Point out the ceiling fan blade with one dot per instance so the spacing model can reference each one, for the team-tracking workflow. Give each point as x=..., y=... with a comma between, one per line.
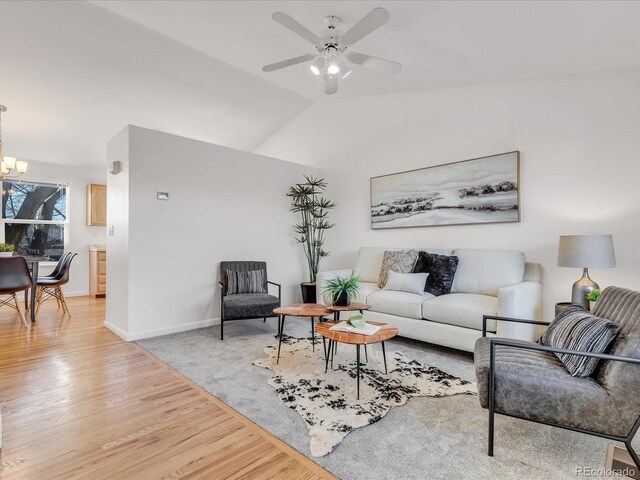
x=374, y=63
x=296, y=27
x=287, y=63
x=331, y=85
x=372, y=21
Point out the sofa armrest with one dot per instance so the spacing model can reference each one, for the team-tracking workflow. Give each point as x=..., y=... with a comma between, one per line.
x=520, y=300
x=322, y=277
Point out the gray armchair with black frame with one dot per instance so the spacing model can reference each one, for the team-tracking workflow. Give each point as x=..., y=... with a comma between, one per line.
x=527, y=380
x=236, y=304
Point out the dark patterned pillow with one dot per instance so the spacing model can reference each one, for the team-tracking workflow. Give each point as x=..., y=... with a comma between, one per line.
x=400, y=261
x=441, y=270
x=251, y=281
x=576, y=329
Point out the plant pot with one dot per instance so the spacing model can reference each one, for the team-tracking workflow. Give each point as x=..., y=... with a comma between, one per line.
x=342, y=300
x=6, y=254
x=308, y=292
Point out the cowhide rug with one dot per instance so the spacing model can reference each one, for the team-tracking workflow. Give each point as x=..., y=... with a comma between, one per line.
x=327, y=401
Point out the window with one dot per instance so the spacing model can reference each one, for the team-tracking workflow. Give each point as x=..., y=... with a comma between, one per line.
x=34, y=217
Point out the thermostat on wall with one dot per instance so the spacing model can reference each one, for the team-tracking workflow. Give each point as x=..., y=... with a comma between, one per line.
x=163, y=196
x=114, y=168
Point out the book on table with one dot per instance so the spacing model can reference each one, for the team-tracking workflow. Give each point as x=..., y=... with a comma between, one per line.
x=368, y=329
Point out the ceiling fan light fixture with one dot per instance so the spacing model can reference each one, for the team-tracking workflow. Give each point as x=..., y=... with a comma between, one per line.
x=333, y=68
x=345, y=71
x=317, y=66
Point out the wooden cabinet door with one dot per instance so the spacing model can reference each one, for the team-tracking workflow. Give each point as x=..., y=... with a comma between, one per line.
x=96, y=205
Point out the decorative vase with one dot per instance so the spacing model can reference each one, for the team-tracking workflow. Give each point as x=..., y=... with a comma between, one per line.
x=308, y=292
x=6, y=254
x=341, y=300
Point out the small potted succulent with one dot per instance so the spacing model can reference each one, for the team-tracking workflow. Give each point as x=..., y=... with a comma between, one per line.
x=6, y=250
x=594, y=295
x=342, y=290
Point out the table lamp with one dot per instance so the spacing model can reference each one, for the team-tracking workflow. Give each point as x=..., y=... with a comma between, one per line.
x=585, y=251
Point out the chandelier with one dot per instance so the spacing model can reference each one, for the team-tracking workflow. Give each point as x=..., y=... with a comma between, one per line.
x=9, y=166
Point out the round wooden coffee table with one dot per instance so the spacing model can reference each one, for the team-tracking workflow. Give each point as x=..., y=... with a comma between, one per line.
x=353, y=307
x=312, y=310
x=385, y=333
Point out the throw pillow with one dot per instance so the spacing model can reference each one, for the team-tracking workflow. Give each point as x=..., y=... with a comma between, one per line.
x=400, y=261
x=406, y=282
x=441, y=270
x=576, y=329
x=251, y=281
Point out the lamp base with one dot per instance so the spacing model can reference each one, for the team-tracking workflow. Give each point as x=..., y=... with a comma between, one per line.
x=582, y=288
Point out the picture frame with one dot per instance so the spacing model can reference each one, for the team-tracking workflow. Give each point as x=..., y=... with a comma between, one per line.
x=480, y=190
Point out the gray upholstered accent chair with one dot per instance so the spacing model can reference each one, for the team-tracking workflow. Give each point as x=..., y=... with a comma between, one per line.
x=244, y=306
x=527, y=380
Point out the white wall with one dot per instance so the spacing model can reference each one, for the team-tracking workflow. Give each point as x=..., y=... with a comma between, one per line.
x=79, y=235
x=580, y=164
x=118, y=244
x=224, y=205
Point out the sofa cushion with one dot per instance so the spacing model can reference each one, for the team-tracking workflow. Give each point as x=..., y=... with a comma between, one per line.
x=441, y=270
x=365, y=289
x=401, y=261
x=369, y=261
x=576, y=329
x=368, y=264
x=249, y=305
x=250, y=281
x=402, y=304
x=485, y=271
x=462, y=310
x=406, y=282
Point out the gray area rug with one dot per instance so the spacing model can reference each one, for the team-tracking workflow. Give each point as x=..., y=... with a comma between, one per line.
x=328, y=402
x=428, y=438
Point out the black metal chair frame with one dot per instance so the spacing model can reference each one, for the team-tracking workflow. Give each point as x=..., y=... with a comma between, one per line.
x=223, y=294
x=492, y=384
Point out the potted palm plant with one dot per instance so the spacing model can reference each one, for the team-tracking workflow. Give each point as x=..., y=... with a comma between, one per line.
x=6, y=250
x=342, y=290
x=308, y=200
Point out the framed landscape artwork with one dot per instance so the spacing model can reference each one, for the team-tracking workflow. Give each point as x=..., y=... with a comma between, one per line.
x=480, y=190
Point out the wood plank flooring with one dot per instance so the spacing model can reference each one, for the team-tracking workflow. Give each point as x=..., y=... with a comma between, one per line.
x=79, y=402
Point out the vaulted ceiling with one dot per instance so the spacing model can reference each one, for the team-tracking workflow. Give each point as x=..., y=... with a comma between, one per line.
x=75, y=73
x=440, y=44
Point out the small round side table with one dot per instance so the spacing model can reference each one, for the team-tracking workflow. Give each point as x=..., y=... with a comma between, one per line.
x=311, y=310
x=353, y=307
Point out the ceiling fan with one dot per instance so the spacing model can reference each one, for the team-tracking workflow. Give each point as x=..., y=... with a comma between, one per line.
x=331, y=61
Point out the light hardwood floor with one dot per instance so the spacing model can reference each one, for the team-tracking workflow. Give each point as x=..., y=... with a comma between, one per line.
x=79, y=402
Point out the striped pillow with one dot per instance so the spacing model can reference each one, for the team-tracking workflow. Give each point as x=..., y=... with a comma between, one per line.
x=576, y=329
x=251, y=281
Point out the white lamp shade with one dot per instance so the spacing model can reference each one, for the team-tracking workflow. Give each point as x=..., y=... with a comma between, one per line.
x=3, y=168
x=586, y=251
x=10, y=162
x=21, y=166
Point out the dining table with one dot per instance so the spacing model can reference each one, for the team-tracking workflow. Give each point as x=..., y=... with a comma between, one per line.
x=30, y=295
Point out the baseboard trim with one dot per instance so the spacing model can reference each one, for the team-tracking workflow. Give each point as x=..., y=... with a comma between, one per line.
x=76, y=294
x=115, y=329
x=133, y=336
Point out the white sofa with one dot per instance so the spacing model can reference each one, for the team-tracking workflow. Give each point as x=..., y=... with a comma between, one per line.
x=497, y=282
